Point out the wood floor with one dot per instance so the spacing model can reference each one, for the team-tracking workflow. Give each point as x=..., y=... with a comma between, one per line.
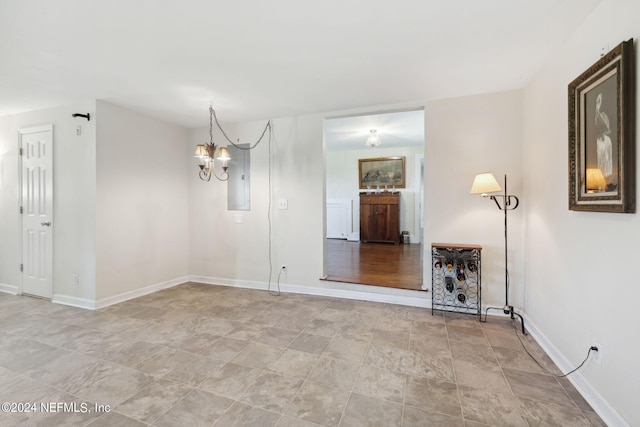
x=377, y=264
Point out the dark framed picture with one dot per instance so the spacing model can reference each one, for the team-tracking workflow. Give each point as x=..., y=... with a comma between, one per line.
x=602, y=156
x=385, y=172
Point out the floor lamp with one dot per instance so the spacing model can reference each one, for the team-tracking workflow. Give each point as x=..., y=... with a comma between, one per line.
x=483, y=184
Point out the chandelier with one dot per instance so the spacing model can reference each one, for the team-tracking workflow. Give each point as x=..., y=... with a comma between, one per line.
x=209, y=152
x=374, y=139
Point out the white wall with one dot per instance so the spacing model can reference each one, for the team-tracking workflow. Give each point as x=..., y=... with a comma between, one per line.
x=342, y=180
x=128, y=210
x=580, y=275
x=73, y=203
x=221, y=248
x=142, y=202
x=225, y=252
x=466, y=136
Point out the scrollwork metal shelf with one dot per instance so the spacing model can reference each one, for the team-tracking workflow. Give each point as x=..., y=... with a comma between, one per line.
x=456, y=278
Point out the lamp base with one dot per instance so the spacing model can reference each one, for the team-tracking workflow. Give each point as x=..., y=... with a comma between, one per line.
x=507, y=309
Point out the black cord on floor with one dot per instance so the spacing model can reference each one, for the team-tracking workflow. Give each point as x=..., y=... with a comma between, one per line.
x=515, y=329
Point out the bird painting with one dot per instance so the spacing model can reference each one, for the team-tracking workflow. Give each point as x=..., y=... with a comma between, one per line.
x=603, y=141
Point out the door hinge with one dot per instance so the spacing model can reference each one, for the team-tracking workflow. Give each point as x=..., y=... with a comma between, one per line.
x=21, y=209
x=21, y=151
x=21, y=267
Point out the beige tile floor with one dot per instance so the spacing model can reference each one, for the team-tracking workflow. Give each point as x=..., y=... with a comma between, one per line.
x=201, y=355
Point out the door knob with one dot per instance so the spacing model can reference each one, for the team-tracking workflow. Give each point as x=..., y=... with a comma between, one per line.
x=48, y=224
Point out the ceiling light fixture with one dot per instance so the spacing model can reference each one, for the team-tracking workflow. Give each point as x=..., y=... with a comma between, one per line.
x=374, y=139
x=207, y=152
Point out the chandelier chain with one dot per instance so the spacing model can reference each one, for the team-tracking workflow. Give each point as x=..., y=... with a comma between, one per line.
x=210, y=124
x=213, y=116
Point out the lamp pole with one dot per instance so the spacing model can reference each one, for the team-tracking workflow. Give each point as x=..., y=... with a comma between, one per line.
x=509, y=203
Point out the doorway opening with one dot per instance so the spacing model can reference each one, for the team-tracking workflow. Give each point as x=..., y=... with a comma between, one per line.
x=348, y=258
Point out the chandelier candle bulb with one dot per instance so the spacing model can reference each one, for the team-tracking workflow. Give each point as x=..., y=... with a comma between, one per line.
x=223, y=154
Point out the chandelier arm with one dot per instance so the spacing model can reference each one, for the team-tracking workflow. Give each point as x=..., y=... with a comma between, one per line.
x=225, y=175
x=204, y=175
x=207, y=176
x=215, y=117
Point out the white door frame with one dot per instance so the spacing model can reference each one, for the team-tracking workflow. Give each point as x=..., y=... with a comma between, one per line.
x=419, y=199
x=48, y=293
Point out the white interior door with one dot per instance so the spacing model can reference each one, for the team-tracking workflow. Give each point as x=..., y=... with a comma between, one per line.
x=37, y=208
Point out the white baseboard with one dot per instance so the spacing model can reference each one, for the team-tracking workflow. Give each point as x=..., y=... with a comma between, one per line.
x=230, y=282
x=105, y=302
x=8, y=289
x=74, y=301
x=331, y=289
x=608, y=414
x=353, y=237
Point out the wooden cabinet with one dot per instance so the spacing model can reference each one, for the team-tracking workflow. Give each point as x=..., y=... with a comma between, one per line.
x=380, y=217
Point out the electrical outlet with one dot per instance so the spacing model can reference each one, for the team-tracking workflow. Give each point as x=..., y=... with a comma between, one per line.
x=76, y=279
x=283, y=204
x=283, y=269
x=597, y=355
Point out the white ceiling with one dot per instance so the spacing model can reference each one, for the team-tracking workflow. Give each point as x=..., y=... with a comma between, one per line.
x=258, y=59
x=397, y=129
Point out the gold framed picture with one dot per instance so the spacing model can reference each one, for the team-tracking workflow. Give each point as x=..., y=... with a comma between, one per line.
x=602, y=149
x=383, y=172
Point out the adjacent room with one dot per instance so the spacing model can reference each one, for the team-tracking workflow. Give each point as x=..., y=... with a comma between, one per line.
x=371, y=244
x=335, y=214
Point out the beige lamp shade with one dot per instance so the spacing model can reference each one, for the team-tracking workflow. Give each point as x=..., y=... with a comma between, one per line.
x=595, y=180
x=201, y=151
x=223, y=154
x=485, y=183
